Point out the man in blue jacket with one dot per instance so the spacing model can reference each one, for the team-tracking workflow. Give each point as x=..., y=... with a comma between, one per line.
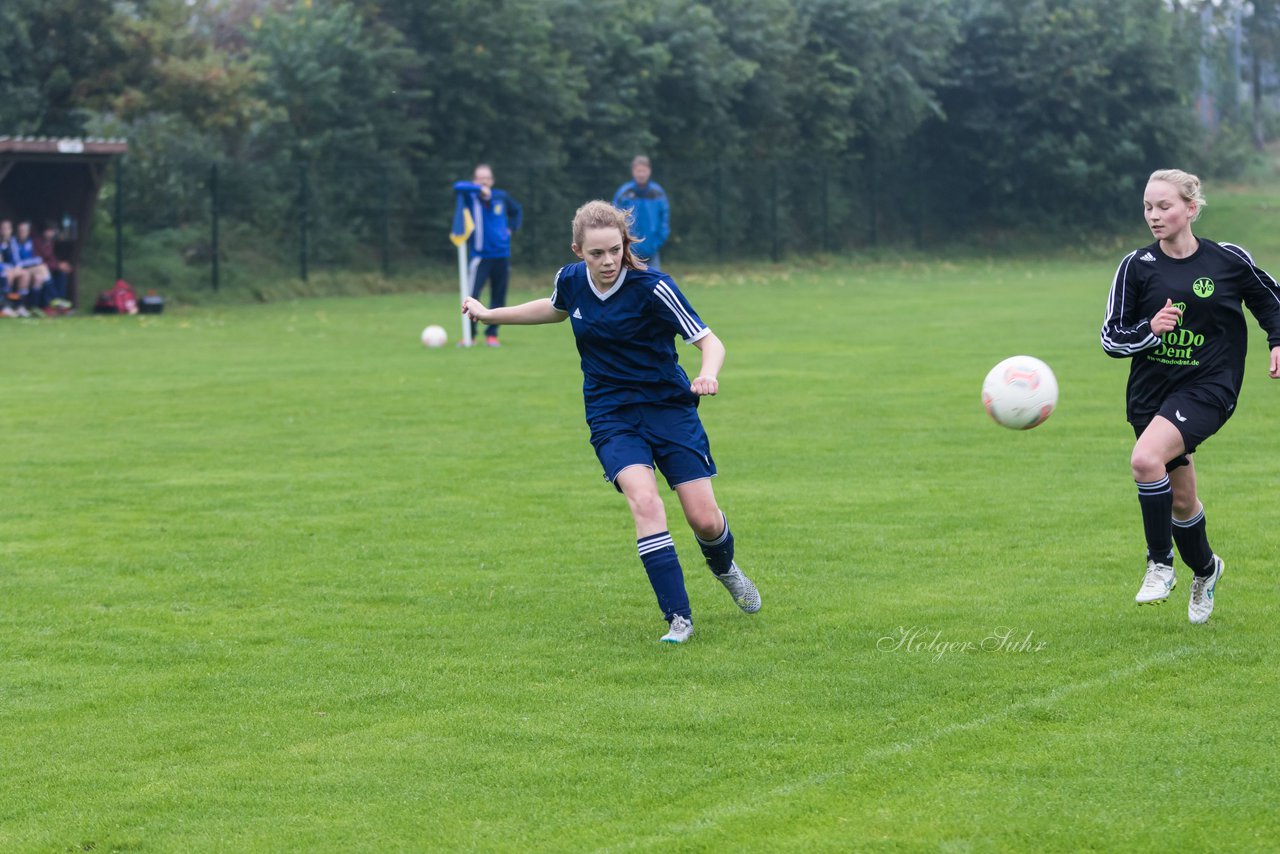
x=495, y=215
x=647, y=202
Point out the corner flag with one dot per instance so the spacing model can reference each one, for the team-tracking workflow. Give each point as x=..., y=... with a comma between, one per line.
x=463, y=226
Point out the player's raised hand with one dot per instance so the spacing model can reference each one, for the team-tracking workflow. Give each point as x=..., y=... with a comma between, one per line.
x=1166, y=319
x=1275, y=363
x=705, y=385
x=474, y=309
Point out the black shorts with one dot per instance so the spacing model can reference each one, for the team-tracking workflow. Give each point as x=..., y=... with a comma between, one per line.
x=1196, y=413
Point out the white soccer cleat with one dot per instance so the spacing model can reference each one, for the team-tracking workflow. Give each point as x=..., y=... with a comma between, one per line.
x=1201, y=604
x=681, y=630
x=744, y=593
x=1156, y=584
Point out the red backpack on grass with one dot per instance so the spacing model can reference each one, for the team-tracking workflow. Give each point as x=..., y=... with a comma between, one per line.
x=121, y=299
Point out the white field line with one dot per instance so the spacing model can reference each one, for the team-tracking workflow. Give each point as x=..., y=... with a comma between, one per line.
x=714, y=816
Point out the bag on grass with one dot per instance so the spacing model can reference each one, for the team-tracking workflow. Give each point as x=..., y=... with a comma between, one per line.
x=151, y=303
x=121, y=299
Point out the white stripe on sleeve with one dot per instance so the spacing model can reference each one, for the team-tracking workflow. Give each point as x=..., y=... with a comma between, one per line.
x=687, y=321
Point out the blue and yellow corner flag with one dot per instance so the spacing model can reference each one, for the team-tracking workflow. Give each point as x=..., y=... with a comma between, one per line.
x=463, y=224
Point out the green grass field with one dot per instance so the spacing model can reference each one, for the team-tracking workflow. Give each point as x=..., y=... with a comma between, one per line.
x=276, y=578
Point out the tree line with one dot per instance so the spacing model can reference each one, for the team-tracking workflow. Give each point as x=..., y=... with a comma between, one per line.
x=978, y=113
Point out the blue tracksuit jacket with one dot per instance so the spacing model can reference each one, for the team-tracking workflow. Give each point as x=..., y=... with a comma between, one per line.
x=652, y=214
x=494, y=219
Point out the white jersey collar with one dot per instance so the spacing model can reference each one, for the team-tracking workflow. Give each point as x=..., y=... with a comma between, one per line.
x=622, y=275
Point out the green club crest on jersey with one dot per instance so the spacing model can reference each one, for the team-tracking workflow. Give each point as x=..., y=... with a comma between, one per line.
x=1202, y=288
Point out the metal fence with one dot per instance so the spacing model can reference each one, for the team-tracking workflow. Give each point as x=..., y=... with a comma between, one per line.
x=237, y=219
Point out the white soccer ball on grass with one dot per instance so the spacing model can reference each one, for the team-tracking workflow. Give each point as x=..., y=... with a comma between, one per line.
x=434, y=336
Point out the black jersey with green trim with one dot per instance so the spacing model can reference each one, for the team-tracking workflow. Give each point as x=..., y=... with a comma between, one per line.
x=1207, y=348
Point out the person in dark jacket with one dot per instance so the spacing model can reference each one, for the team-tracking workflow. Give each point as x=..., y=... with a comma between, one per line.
x=59, y=270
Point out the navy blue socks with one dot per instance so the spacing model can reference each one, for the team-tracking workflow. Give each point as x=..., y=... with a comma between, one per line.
x=658, y=553
x=719, y=552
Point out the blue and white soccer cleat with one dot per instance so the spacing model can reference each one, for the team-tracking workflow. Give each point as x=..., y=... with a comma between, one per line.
x=1201, y=604
x=744, y=593
x=681, y=630
x=1156, y=584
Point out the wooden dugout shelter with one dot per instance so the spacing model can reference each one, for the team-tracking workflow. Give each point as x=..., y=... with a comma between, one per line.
x=56, y=181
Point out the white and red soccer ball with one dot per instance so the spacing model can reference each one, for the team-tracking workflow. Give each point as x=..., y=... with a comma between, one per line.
x=434, y=336
x=1020, y=392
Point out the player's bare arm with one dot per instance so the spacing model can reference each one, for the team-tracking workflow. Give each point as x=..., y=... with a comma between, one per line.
x=1275, y=363
x=712, y=360
x=526, y=314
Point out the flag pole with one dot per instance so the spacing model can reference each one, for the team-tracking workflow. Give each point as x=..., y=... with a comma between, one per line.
x=463, y=227
x=464, y=291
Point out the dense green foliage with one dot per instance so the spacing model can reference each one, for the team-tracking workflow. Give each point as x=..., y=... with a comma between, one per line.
x=757, y=112
x=1088, y=102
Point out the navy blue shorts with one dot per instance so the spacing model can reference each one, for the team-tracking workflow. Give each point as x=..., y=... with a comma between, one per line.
x=669, y=435
x=1196, y=413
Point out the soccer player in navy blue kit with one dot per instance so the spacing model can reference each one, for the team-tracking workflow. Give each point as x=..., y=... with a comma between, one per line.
x=495, y=215
x=1175, y=310
x=640, y=405
x=25, y=273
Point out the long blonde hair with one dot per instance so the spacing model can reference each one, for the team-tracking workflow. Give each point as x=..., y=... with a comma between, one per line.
x=601, y=214
x=1187, y=185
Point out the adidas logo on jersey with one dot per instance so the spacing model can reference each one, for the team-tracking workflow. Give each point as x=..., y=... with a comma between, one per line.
x=577, y=314
x=1147, y=256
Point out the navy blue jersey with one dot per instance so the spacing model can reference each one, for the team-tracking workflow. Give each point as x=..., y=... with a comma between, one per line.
x=626, y=337
x=1207, y=349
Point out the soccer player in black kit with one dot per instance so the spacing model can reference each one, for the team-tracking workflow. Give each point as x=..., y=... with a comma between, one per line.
x=1175, y=311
